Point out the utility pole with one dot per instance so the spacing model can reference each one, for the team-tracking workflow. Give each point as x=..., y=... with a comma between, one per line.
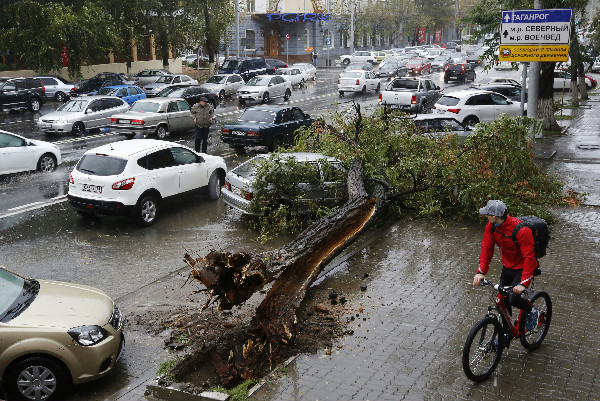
x=351, y=26
x=237, y=28
x=533, y=92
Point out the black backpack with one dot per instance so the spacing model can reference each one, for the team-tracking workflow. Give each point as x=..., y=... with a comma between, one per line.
x=540, y=231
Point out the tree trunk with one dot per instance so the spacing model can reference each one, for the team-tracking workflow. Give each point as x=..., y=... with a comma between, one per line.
x=582, y=84
x=574, y=91
x=574, y=54
x=546, y=97
x=210, y=45
x=233, y=277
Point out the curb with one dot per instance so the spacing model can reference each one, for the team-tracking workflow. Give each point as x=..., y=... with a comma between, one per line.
x=173, y=393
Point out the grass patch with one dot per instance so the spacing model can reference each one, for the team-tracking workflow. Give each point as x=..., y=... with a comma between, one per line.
x=165, y=369
x=564, y=117
x=239, y=392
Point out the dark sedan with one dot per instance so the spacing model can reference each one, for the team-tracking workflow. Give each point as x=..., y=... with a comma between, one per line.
x=91, y=86
x=271, y=126
x=191, y=94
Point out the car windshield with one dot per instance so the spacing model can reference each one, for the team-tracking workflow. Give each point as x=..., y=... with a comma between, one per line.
x=165, y=79
x=100, y=164
x=92, y=84
x=107, y=91
x=389, y=66
x=259, y=81
x=16, y=294
x=217, y=79
x=230, y=64
x=248, y=169
x=145, y=107
x=258, y=116
x=74, y=106
x=171, y=92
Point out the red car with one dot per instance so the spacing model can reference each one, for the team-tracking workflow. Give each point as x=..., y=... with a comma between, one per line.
x=418, y=66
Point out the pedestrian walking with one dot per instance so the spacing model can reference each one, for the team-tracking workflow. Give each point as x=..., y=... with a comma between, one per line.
x=314, y=57
x=203, y=118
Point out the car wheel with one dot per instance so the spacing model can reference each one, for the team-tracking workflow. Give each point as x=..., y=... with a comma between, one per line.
x=37, y=378
x=276, y=144
x=470, y=121
x=60, y=97
x=364, y=90
x=378, y=88
x=301, y=83
x=214, y=186
x=266, y=98
x=161, y=132
x=287, y=95
x=78, y=129
x=222, y=95
x=47, y=163
x=341, y=94
x=35, y=104
x=146, y=211
x=346, y=61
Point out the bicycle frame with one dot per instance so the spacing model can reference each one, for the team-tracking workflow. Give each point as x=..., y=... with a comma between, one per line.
x=499, y=305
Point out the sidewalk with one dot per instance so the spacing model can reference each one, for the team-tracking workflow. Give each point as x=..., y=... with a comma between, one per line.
x=410, y=325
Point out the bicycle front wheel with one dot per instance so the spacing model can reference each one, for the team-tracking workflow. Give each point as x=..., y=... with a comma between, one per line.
x=533, y=339
x=483, y=349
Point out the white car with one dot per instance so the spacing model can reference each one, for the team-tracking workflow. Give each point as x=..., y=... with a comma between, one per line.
x=596, y=65
x=294, y=75
x=167, y=80
x=264, y=88
x=364, y=56
x=224, y=85
x=309, y=69
x=497, y=80
x=57, y=88
x=358, y=81
x=473, y=106
x=136, y=177
x=562, y=81
x=18, y=154
x=81, y=114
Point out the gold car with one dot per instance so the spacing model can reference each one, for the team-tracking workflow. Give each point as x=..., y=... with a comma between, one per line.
x=54, y=334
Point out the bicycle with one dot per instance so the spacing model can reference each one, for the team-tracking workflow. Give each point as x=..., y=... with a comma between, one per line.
x=488, y=338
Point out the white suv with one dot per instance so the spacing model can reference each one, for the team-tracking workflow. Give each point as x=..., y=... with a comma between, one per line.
x=358, y=57
x=473, y=106
x=135, y=177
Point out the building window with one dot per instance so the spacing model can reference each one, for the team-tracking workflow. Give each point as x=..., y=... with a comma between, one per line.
x=250, y=39
x=250, y=4
x=306, y=39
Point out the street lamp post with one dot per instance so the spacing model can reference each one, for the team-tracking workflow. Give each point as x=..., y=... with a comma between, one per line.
x=237, y=28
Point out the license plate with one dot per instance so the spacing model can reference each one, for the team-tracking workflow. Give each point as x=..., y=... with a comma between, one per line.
x=123, y=121
x=238, y=133
x=92, y=188
x=46, y=125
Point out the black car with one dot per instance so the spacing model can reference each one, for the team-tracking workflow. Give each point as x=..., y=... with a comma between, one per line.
x=513, y=92
x=191, y=94
x=459, y=72
x=271, y=126
x=93, y=85
x=275, y=64
x=21, y=93
x=110, y=75
x=247, y=67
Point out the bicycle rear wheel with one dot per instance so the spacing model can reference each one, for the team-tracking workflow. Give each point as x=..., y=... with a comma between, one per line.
x=483, y=349
x=533, y=339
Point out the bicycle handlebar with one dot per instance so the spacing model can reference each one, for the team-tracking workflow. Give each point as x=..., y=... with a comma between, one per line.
x=503, y=290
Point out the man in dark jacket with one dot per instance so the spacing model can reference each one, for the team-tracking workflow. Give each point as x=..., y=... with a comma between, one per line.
x=203, y=117
x=518, y=260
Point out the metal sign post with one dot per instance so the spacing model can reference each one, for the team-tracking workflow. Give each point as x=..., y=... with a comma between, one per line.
x=328, y=43
x=287, y=53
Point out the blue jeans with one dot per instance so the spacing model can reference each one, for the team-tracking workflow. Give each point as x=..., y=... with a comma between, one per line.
x=201, y=138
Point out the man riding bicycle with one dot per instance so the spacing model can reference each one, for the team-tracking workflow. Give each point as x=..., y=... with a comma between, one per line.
x=518, y=259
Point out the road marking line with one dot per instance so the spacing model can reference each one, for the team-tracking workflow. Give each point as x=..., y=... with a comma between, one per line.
x=35, y=206
x=23, y=206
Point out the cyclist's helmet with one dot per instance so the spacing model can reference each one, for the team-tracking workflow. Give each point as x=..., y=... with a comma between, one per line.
x=493, y=208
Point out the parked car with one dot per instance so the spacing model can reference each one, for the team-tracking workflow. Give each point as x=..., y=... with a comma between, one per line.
x=358, y=81
x=473, y=106
x=264, y=88
x=148, y=76
x=168, y=80
x=418, y=66
x=359, y=56
x=129, y=93
x=138, y=177
x=18, y=154
x=596, y=65
x=246, y=67
x=224, y=85
x=497, y=80
x=56, y=87
x=357, y=66
x=440, y=125
x=459, y=72
x=92, y=86
x=81, y=114
x=21, y=93
x=157, y=116
x=513, y=92
x=275, y=64
x=55, y=334
x=111, y=75
x=270, y=126
x=391, y=68
x=309, y=69
x=439, y=63
x=293, y=75
x=562, y=81
x=239, y=185
x=191, y=94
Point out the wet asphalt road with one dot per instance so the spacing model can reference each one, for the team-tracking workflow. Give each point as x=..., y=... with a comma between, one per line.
x=50, y=241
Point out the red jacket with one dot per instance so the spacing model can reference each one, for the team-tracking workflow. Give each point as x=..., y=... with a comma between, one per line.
x=511, y=256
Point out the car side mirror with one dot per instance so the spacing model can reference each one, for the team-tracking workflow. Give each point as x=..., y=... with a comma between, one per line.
x=87, y=111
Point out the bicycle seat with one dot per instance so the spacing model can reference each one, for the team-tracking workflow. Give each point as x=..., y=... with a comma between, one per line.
x=537, y=272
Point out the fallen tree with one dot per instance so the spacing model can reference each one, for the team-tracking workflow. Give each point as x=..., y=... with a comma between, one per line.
x=389, y=163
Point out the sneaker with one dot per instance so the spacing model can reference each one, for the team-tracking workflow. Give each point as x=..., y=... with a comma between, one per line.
x=532, y=319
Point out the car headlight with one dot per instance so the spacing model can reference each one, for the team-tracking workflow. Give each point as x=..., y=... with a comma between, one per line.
x=88, y=335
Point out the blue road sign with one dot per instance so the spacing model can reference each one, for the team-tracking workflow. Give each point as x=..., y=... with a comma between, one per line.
x=536, y=27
